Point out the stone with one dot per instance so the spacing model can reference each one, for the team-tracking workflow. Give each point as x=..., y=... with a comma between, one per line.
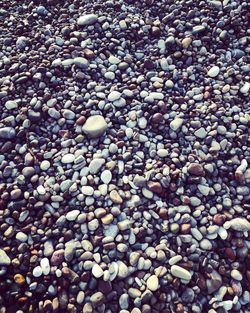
x=238, y=224
x=68, y=158
x=124, y=301
x=4, y=259
x=205, y=244
x=19, y=279
x=95, y=126
x=106, y=176
x=87, y=190
x=214, y=71
x=153, y=283
x=21, y=236
x=97, y=271
x=72, y=215
x=200, y=133
x=155, y=187
x=95, y=165
x=188, y=295
x=37, y=271
x=180, y=272
x=45, y=165
x=176, y=123
x=196, y=169
x=123, y=270
x=57, y=257
x=11, y=105
x=45, y=266
x=81, y=63
x=7, y=133
x=88, y=19
x=235, y=274
x=114, y=95
x=97, y=298
x=115, y=197
x=214, y=283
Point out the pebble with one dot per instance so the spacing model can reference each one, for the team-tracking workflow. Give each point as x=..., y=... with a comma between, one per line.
x=7, y=132
x=95, y=126
x=4, y=259
x=180, y=272
x=11, y=105
x=153, y=283
x=88, y=19
x=176, y=123
x=106, y=176
x=97, y=271
x=68, y=158
x=213, y=71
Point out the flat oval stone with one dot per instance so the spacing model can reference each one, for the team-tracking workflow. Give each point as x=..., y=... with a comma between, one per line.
x=88, y=19
x=180, y=272
x=114, y=95
x=68, y=158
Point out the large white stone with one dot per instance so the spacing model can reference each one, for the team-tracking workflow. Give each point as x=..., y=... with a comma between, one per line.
x=95, y=126
x=88, y=19
x=214, y=71
x=180, y=272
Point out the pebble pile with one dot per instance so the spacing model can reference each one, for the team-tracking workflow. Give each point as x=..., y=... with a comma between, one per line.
x=124, y=156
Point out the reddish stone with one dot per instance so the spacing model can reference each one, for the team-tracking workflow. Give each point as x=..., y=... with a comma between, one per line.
x=196, y=169
x=185, y=228
x=219, y=219
x=230, y=254
x=163, y=213
x=157, y=118
x=57, y=257
x=81, y=120
x=104, y=286
x=155, y=187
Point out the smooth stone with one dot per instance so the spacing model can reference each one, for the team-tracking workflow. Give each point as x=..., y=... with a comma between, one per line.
x=68, y=158
x=245, y=88
x=4, y=259
x=21, y=236
x=11, y=105
x=188, y=295
x=95, y=126
x=214, y=283
x=114, y=60
x=153, y=283
x=88, y=19
x=235, y=274
x=41, y=190
x=204, y=190
x=162, y=153
x=81, y=62
x=205, y=244
x=123, y=270
x=45, y=165
x=200, y=133
x=238, y=224
x=95, y=165
x=124, y=301
x=37, y=271
x=214, y=71
x=180, y=272
x=7, y=132
x=72, y=215
x=45, y=266
x=106, y=176
x=115, y=197
x=114, y=95
x=87, y=190
x=176, y=123
x=97, y=271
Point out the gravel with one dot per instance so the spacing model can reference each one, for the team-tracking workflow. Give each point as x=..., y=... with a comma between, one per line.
x=124, y=156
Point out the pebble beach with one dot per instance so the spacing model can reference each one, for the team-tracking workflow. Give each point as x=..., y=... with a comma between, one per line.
x=124, y=156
